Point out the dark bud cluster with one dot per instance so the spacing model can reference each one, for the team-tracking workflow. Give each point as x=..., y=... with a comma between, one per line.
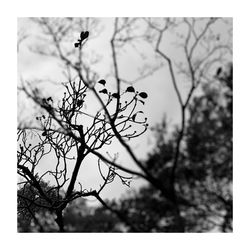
x=79, y=103
x=83, y=36
x=49, y=99
x=47, y=104
x=115, y=95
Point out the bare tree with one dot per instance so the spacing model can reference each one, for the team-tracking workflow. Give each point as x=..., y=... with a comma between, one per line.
x=62, y=130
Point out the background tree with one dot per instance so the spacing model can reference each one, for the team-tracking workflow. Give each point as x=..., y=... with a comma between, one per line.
x=204, y=177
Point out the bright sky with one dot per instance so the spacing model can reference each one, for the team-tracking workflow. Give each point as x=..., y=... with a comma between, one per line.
x=162, y=98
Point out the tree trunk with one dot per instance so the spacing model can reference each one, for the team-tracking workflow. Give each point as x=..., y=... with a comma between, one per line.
x=59, y=221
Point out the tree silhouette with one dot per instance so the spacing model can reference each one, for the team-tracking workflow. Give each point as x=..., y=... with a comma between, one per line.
x=71, y=133
x=62, y=132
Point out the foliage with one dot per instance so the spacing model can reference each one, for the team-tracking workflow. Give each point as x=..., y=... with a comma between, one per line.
x=80, y=218
x=204, y=177
x=33, y=209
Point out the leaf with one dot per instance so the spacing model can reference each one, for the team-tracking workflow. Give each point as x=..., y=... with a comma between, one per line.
x=44, y=133
x=143, y=95
x=133, y=117
x=76, y=45
x=115, y=95
x=84, y=35
x=102, y=81
x=130, y=89
x=104, y=91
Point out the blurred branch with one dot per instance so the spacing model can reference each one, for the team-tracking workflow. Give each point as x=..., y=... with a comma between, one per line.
x=115, y=67
x=120, y=215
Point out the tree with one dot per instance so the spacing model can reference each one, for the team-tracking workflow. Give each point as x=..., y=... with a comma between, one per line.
x=204, y=178
x=80, y=218
x=61, y=128
x=209, y=151
x=61, y=132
